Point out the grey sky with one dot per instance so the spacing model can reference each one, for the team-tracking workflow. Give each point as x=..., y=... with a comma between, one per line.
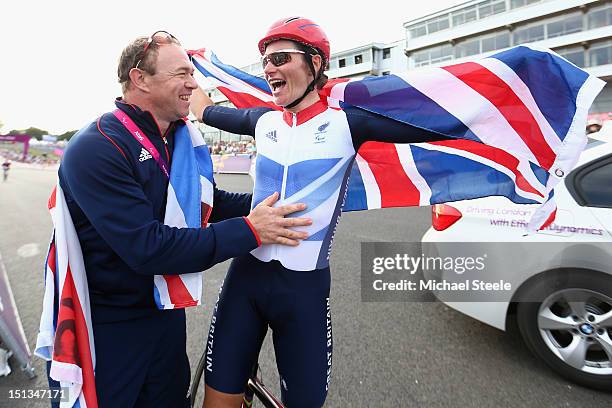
x=58, y=70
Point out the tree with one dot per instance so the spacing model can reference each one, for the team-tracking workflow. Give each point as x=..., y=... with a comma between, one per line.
x=35, y=132
x=32, y=131
x=38, y=133
x=67, y=135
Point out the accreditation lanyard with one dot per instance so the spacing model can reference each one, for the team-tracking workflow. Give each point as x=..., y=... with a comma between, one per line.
x=142, y=139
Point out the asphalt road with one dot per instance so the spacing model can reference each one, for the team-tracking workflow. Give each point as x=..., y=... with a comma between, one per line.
x=385, y=354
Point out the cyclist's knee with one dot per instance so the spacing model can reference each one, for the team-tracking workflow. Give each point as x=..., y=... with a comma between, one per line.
x=217, y=399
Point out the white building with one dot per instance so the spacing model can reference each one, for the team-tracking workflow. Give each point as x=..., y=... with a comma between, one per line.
x=581, y=31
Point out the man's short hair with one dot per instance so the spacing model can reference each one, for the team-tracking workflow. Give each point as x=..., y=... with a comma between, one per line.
x=134, y=52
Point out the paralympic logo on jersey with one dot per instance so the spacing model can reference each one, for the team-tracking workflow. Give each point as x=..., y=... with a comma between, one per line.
x=320, y=134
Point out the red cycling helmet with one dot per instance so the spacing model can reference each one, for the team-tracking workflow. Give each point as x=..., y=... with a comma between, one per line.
x=298, y=29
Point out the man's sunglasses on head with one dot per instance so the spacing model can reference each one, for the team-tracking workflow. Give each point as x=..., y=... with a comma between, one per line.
x=159, y=38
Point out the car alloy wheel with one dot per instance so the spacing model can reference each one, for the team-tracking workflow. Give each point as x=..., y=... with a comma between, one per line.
x=565, y=318
x=576, y=325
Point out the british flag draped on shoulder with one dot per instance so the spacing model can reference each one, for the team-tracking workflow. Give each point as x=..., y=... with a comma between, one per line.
x=518, y=118
x=65, y=335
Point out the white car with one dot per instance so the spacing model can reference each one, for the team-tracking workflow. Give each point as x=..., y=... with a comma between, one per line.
x=561, y=277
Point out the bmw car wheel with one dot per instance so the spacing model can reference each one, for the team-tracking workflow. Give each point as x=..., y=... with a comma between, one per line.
x=570, y=328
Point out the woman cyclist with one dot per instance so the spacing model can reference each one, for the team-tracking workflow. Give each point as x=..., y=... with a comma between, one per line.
x=304, y=153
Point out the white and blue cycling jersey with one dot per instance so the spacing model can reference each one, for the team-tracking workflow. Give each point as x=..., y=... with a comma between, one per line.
x=307, y=157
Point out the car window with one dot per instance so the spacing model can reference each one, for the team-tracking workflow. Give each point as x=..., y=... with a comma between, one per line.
x=594, y=184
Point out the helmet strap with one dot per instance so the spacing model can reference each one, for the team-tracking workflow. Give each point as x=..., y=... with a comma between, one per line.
x=310, y=86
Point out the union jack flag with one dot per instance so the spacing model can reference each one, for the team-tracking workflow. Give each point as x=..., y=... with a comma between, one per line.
x=518, y=119
x=65, y=336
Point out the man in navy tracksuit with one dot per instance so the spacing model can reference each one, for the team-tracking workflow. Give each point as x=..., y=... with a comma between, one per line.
x=116, y=193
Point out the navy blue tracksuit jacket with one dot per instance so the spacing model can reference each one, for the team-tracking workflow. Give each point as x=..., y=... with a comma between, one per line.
x=117, y=200
x=117, y=204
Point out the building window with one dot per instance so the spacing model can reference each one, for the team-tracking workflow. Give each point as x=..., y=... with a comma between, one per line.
x=467, y=48
x=496, y=42
x=437, y=24
x=342, y=62
x=418, y=31
x=528, y=34
x=490, y=7
x=442, y=53
x=432, y=55
x=429, y=26
x=358, y=59
x=600, y=54
x=521, y=3
x=464, y=15
x=386, y=53
x=421, y=58
x=600, y=16
x=567, y=25
x=386, y=72
x=575, y=55
x=549, y=28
